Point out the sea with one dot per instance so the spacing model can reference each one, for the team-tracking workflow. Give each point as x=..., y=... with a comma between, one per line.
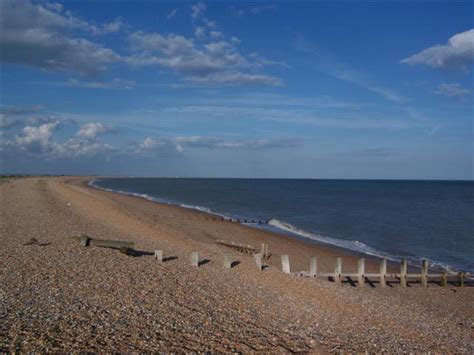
x=394, y=219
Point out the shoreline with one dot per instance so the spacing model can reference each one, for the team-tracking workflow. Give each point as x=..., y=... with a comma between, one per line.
x=413, y=263
x=328, y=249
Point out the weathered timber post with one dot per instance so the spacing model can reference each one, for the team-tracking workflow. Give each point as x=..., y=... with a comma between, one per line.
x=262, y=250
x=424, y=273
x=338, y=270
x=360, y=272
x=444, y=279
x=313, y=266
x=285, y=264
x=195, y=259
x=227, y=261
x=84, y=239
x=258, y=260
x=383, y=272
x=159, y=255
x=267, y=254
x=403, y=273
x=461, y=279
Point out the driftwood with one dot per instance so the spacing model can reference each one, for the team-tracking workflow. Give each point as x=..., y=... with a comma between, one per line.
x=114, y=244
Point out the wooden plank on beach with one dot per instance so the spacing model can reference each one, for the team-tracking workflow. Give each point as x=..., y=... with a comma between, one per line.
x=245, y=248
x=117, y=244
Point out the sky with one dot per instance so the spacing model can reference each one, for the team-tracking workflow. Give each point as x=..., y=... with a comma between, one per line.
x=352, y=90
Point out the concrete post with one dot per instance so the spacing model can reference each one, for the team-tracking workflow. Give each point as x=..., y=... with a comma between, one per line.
x=195, y=259
x=360, y=272
x=313, y=266
x=285, y=264
x=383, y=272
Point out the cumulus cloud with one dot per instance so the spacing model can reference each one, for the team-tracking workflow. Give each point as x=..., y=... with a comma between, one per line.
x=179, y=144
x=38, y=141
x=456, y=54
x=39, y=36
x=454, y=90
x=92, y=130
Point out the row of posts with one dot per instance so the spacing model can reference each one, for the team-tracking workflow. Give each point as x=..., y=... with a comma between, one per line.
x=338, y=275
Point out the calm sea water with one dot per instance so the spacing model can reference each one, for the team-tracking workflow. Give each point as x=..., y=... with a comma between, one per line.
x=414, y=219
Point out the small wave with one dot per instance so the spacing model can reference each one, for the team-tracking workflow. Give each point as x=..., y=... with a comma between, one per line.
x=355, y=245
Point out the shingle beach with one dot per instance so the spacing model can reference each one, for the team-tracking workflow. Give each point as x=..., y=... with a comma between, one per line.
x=56, y=295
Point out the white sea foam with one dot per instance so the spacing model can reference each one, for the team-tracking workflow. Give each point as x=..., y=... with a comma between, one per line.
x=353, y=245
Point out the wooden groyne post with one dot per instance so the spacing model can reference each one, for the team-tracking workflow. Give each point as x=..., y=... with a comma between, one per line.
x=424, y=273
x=313, y=266
x=258, y=260
x=338, y=270
x=383, y=272
x=195, y=259
x=159, y=255
x=285, y=264
x=360, y=272
x=403, y=273
x=227, y=261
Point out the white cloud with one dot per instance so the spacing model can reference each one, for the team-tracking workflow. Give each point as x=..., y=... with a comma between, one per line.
x=112, y=27
x=171, y=14
x=456, y=54
x=217, y=62
x=215, y=34
x=236, y=78
x=200, y=32
x=197, y=10
x=454, y=90
x=92, y=130
x=115, y=84
x=178, y=145
x=38, y=36
x=37, y=139
x=331, y=65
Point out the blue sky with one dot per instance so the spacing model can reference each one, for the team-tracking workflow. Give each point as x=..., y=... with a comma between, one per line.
x=238, y=89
